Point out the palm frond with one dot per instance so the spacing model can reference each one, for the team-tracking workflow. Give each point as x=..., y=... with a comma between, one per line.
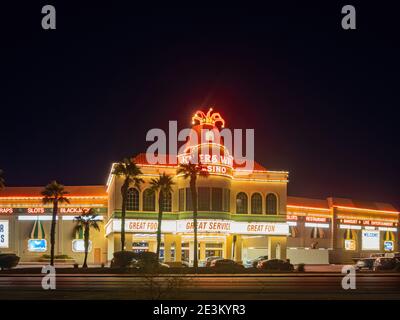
x=54, y=192
x=2, y=181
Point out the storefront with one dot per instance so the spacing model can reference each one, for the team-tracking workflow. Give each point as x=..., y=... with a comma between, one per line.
x=344, y=228
x=242, y=214
x=25, y=224
x=223, y=238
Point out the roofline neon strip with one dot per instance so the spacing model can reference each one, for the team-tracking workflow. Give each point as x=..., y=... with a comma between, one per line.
x=365, y=209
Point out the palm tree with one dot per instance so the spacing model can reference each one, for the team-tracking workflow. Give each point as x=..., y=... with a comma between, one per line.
x=54, y=193
x=2, y=181
x=163, y=185
x=84, y=223
x=191, y=171
x=129, y=171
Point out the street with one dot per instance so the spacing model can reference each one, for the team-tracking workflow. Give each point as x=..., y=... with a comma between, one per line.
x=209, y=287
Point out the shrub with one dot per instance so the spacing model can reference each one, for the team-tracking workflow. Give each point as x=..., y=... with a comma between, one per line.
x=122, y=259
x=8, y=260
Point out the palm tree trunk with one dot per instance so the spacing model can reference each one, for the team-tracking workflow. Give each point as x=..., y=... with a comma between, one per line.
x=53, y=232
x=124, y=191
x=160, y=212
x=86, y=239
x=194, y=203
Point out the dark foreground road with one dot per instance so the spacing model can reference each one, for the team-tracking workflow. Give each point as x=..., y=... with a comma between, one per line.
x=304, y=286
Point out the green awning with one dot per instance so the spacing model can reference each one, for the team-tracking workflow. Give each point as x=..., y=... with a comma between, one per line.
x=38, y=230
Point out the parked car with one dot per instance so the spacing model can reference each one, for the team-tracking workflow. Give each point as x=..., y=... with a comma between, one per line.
x=185, y=264
x=8, y=260
x=385, y=263
x=226, y=264
x=210, y=259
x=275, y=265
x=253, y=263
x=365, y=263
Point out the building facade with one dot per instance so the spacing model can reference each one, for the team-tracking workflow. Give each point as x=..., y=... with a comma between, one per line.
x=242, y=214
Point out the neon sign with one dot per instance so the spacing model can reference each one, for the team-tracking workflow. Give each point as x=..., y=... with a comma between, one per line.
x=208, y=118
x=35, y=210
x=74, y=210
x=37, y=245
x=388, y=246
x=6, y=210
x=316, y=219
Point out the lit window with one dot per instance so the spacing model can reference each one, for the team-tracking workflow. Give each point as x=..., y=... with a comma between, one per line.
x=216, y=199
x=149, y=200
x=132, y=200
x=167, y=202
x=256, y=203
x=203, y=196
x=189, y=205
x=227, y=200
x=241, y=203
x=272, y=204
x=182, y=199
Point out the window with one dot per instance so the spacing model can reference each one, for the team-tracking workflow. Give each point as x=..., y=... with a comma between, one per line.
x=149, y=200
x=227, y=200
x=203, y=196
x=216, y=199
x=241, y=203
x=272, y=204
x=181, y=199
x=132, y=200
x=189, y=205
x=256, y=203
x=167, y=202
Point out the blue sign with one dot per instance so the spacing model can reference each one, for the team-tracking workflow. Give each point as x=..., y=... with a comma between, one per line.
x=388, y=245
x=37, y=245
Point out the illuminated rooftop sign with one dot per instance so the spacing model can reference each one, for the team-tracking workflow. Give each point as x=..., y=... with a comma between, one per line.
x=208, y=118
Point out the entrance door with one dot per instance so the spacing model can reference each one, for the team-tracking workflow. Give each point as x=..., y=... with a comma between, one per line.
x=97, y=255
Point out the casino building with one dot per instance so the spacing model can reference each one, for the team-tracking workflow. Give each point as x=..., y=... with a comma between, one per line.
x=242, y=214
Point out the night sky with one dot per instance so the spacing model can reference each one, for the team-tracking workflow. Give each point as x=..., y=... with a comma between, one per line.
x=323, y=101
